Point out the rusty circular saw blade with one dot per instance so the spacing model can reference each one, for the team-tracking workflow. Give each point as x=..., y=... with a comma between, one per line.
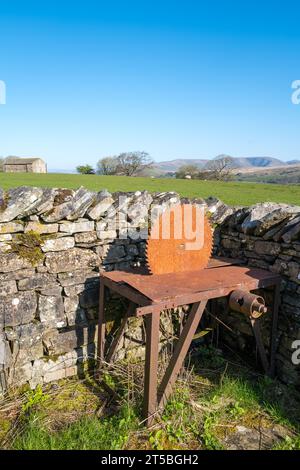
x=179, y=240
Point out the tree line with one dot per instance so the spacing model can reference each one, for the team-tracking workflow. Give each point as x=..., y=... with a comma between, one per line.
x=219, y=169
x=126, y=164
x=135, y=163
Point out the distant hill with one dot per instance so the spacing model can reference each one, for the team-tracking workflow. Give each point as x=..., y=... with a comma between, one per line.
x=260, y=162
x=288, y=174
x=239, y=162
x=173, y=165
x=240, y=165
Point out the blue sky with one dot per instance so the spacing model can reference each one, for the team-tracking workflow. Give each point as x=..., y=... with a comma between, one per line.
x=178, y=79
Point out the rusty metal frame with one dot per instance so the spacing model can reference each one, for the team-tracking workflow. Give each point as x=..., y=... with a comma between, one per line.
x=180, y=352
x=273, y=336
x=151, y=366
x=156, y=396
x=115, y=343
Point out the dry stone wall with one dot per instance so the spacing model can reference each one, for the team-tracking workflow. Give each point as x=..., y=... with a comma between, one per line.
x=54, y=243
x=266, y=236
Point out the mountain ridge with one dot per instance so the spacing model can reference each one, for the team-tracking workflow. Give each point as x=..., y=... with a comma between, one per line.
x=238, y=162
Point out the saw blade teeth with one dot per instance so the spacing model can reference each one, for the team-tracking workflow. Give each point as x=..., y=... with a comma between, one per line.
x=146, y=258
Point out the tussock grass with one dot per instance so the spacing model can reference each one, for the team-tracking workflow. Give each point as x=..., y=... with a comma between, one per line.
x=214, y=397
x=88, y=432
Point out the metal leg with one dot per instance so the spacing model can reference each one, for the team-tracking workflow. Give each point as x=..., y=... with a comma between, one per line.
x=261, y=348
x=120, y=332
x=101, y=328
x=214, y=323
x=151, y=366
x=273, y=339
x=181, y=349
x=181, y=321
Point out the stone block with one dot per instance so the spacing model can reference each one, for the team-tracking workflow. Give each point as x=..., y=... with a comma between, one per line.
x=60, y=374
x=89, y=297
x=71, y=291
x=25, y=335
x=51, y=311
x=85, y=237
x=71, y=303
x=263, y=216
x=11, y=227
x=5, y=353
x=51, y=368
x=76, y=317
x=20, y=201
x=132, y=250
x=20, y=375
x=70, y=260
x=134, y=332
x=52, y=291
x=61, y=206
x=16, y=275
x=5, y=238
x=101, y=226
x=5, y=247
x=38, y=281
x=104, y=201
x=111, y=253
x=22, y=356
x=18, y=309
x=106, y=234
x=82, y=200
x=61, y=341
x=267, y=248
x=219, y=212
x=69, y=205
x=58, y=244
x=121, y=266
x=292, y=233
x=231, y=244
x=81, y=276
x=10, y=262
x=77, y=227
x=7, y=287
x=40, y=228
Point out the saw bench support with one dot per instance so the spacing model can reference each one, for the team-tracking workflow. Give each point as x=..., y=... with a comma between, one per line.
x=149, y=295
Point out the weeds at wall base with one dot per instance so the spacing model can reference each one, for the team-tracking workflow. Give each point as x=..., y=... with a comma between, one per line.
x=213, y=407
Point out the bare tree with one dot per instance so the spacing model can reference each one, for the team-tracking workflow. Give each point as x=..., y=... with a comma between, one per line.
x=187, y=170
x=107, y=166
x=220, y=168
x=132, y=163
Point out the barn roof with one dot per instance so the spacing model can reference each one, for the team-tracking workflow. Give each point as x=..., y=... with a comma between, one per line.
x=19, y=160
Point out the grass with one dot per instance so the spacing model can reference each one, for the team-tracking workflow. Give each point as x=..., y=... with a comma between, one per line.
x=215, y=397
x=87, y=433
x=237, y=193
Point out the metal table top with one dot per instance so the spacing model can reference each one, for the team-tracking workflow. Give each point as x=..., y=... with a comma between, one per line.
x=218, y=279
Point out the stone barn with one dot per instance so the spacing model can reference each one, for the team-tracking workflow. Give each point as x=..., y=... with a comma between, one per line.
x=24, y=165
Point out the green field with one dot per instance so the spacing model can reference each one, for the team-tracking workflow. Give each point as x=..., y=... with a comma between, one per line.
x=238, y=193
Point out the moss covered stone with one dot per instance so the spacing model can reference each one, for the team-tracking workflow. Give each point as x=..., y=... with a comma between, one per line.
x=28, y=246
